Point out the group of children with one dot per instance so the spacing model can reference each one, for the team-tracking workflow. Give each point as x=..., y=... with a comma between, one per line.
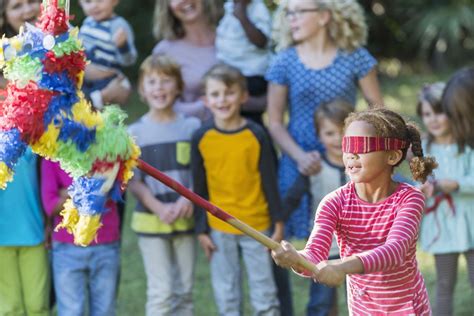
x=365, y=225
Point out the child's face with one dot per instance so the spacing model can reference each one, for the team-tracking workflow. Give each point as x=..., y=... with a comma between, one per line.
x=330, y=135
x=366, y=168
x=99, y=10
x=186, y=10
x=305, y=20
x=159, y=90
x=17, y=12
x=437, y=124
x=223, y=101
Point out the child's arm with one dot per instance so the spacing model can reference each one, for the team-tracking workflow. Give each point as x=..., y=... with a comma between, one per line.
x=319, y=243
x=462, y=185
x=124, y=40
x=401, y=237
x=294, y=195
x=308, y=162
x=53, y=195
x=333, y=272
x=255, y=32
x=165, y=211
x=201, y=227
x=183, y=207
x=268, y=174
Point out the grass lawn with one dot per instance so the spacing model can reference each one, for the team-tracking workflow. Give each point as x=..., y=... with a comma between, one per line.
x=400, y=95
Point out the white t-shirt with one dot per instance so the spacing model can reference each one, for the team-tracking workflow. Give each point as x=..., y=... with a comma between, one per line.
x=232, y=45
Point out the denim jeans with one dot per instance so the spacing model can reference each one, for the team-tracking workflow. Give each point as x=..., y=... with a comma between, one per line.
x=226, y=275
x=86, y=274
x=322, y=298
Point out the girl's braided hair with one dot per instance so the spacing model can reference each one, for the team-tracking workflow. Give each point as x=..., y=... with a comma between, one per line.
x=391, y=125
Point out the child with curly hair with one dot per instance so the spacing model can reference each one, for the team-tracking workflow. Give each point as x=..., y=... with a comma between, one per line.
x=374, y=218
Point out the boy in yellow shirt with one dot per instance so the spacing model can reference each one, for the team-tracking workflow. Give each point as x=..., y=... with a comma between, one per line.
x=232, y=166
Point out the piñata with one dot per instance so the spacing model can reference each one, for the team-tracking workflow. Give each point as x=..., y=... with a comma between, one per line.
x=44, y=108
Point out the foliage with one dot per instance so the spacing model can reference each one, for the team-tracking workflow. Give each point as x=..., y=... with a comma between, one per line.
x=410, y=30
x=432, y=30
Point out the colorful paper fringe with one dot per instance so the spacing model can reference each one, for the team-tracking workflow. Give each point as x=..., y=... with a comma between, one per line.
x=45, y=109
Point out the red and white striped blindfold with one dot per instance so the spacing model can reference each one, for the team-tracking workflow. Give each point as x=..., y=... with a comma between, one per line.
x=366, y=144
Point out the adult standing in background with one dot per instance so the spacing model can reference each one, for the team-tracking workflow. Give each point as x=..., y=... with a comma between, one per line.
x=323, y=60
x=186, y=31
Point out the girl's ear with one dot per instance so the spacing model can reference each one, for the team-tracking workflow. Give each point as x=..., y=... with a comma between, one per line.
x=394, y=157
x=324, y=17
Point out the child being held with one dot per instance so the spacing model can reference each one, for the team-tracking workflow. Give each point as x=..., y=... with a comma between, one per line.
x=242, y=41
x=109, y=45
x=163, y=219
x=232, y=165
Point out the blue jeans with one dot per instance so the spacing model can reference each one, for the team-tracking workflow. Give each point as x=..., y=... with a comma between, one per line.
x=226, y=275
x=86, y=274
x=322, y=298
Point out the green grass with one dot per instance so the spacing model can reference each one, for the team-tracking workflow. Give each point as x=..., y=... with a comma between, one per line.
x=400, y=95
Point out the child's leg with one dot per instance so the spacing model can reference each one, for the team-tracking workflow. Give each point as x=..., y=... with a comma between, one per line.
x=158, y=261
x=283, y=284
x=70, y=276
x=446, y=273
x=470, y=266
x=34, y=270
x=321, y=299
x=226, y=274
x=104, y=266
x=263, y=294
x=11, y=302
x=184, y=248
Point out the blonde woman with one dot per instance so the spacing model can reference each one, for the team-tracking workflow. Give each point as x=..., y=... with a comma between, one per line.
x=322, y=59
x=186, y=30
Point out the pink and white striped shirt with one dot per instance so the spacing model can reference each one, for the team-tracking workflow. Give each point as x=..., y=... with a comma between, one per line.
x=383, y=235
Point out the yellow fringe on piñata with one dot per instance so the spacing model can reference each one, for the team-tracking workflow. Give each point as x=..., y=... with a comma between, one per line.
x=6, y=175
x=47, y=146
x=84, y=227
x=82, y=112
x=131, y=163
x=70, y=217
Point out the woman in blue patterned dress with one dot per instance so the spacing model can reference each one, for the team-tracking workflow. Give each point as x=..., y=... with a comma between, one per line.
x=323, y=60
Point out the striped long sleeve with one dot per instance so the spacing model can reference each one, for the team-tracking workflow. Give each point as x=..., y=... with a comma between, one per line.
x=383, y=235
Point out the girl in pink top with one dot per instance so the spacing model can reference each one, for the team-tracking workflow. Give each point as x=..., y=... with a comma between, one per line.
x=85, y=278
x=375, y=220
